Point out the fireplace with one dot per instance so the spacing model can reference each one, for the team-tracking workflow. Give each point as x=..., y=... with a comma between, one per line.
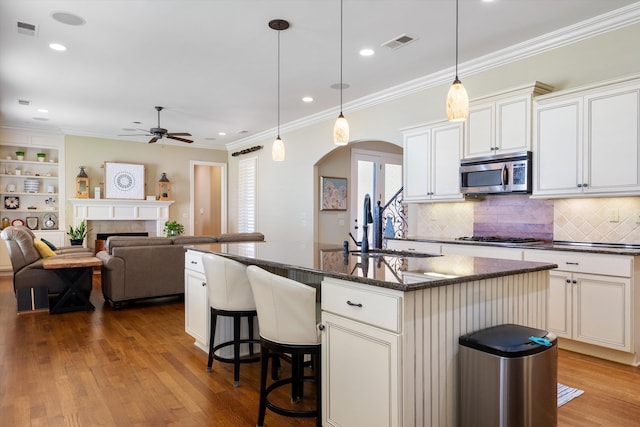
x=121, y=216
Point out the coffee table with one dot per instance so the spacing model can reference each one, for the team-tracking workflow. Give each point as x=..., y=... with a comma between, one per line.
x=72, y=270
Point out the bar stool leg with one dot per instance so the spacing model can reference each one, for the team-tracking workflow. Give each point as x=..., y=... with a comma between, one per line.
x=250, y=320
x=236, y=351
x=212, y=334
x=264, y=368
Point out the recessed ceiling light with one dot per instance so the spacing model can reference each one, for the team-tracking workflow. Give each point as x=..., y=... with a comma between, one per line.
x=68, y=18
x=222, y=133
x=57, y=46
x=137, y=123
x=210, y=139
x=340, y=86
x=367, y=52
x=307, y=99
x=42, y=110
x=129, y=129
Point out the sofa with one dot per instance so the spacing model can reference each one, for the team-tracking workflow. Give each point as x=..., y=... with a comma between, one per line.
x=137, y=268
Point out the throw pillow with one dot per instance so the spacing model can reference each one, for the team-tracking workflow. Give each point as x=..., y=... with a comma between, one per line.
x=44, y=250
x=48, y=243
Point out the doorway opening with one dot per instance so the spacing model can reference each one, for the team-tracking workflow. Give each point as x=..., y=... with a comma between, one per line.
x=208, y=198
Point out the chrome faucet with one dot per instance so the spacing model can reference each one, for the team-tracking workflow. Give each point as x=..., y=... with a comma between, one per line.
x=368, y=219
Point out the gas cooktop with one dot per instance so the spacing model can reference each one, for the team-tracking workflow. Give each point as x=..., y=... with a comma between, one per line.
x=500, y=240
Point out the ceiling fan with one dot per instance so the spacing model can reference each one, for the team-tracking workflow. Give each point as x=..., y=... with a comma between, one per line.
x=160, y=132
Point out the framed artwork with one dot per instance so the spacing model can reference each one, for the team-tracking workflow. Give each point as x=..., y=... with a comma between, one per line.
x=333, y=194
x=123, y=181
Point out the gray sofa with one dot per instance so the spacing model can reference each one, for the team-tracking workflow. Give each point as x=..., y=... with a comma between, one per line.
x=135, y=268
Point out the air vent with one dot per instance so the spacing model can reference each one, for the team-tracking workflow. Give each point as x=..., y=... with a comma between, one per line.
x=399, y=41
x=24, y=102
x=26, y=29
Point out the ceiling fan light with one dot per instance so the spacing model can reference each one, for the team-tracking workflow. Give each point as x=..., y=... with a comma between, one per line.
x=341, y=131
x=457, y=102
x=277, y=150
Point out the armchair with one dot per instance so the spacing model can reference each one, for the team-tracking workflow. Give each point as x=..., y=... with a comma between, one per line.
x=33, y=284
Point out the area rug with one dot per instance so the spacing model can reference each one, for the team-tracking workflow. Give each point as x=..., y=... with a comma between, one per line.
x=566, y=393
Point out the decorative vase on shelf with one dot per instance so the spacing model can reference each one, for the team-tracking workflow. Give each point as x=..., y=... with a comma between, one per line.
x=20, y=155
x=41, y=157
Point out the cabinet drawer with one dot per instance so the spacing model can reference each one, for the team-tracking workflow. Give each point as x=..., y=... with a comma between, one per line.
x=413, y=246
x=608, y=265
x=193, y=261
x=367, y=304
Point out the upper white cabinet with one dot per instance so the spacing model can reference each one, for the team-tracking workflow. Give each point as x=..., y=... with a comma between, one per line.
x=432, y=161
x=586, y=141
x=501, y=123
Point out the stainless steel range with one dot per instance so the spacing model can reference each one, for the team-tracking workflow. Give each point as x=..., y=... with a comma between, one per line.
x=500, y=240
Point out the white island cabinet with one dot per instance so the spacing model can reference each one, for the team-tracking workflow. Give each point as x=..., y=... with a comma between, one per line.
x=196, y=300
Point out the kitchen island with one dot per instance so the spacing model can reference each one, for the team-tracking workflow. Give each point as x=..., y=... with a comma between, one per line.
x=392, y=321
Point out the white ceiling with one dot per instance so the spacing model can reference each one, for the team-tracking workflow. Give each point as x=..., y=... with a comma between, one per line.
x=212, y=63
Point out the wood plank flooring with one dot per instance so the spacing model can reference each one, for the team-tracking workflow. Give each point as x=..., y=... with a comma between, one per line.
x=137, y=367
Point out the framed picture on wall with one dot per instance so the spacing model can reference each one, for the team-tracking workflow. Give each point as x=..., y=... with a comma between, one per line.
x=333, y=194
x=123, y=181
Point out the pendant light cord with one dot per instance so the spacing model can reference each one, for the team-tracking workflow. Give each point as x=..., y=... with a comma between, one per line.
x=278, y=84
x=341, y=86
x=456, y=39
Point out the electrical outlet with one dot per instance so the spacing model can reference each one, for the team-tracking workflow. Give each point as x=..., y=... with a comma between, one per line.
x=614, y=215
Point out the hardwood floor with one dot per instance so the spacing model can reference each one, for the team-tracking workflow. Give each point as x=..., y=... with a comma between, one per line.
x=137, y=367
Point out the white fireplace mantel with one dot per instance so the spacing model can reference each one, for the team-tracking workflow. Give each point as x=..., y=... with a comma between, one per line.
x=121, y=210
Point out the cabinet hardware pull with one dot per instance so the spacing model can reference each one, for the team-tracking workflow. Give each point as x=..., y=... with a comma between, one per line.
x=572, y=263
x=568, y=281
x=204, y=284
x=353, y=304
x=194, y=262
x=321, y=327
x=574, y=281
x=579, y=185
x=585, y=185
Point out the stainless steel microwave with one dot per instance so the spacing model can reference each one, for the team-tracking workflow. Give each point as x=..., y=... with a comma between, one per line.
x=497, y=174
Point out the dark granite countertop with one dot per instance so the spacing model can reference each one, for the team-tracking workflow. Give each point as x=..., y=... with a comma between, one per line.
x=585, y=247
x=404, y=271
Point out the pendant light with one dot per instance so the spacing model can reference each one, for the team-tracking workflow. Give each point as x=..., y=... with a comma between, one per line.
x=277, y=151
x=457, y=98
x=341, y=128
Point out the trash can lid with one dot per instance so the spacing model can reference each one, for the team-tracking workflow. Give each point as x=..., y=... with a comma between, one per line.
x=509, y=340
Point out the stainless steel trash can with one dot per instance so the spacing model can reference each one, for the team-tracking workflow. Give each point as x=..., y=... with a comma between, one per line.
x=508, y=377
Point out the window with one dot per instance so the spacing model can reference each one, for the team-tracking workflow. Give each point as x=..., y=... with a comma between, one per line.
x=247, y=195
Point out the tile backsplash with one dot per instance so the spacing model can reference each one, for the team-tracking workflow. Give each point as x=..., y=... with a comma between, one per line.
x=602, y=220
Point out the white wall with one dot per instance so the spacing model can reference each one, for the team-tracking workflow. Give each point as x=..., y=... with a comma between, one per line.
x=286, y=208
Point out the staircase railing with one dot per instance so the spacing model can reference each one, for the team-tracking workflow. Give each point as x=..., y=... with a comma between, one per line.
x=389, y=220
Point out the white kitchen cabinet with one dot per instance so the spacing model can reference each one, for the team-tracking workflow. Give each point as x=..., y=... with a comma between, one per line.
x=432, y=162
x=196, y=301
x=586, y=306
x=501, y=123
x=587, y=142
x=361, y=355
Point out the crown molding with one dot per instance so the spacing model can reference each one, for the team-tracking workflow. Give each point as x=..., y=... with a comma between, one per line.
x=592, y=27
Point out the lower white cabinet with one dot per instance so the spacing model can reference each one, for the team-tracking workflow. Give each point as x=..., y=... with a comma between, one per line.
x=196, y=301
x=590, y=297
x=361, y=355
x=591, y=308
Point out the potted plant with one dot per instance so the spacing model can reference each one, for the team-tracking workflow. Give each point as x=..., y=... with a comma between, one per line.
x=20, y=155
x=173, y=228
x=41, y=157
x=78, y=233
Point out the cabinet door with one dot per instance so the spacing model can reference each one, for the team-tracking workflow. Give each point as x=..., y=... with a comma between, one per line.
x=612, y=144
x=196, y=308
x=513, y=125
x=602, y=311
x=480, y=138
x=446, y=141
x=361, y=371
x=416, y=170
x=558, y=160
x=559, y=303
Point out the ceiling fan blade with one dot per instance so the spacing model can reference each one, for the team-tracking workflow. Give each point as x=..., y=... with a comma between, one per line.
x=171, y=136
x=179, y=133
x=154, y=139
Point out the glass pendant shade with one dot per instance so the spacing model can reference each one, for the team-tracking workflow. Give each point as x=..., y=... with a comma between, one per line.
x=277, y=151
x=457, y=102
x=341, y=131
